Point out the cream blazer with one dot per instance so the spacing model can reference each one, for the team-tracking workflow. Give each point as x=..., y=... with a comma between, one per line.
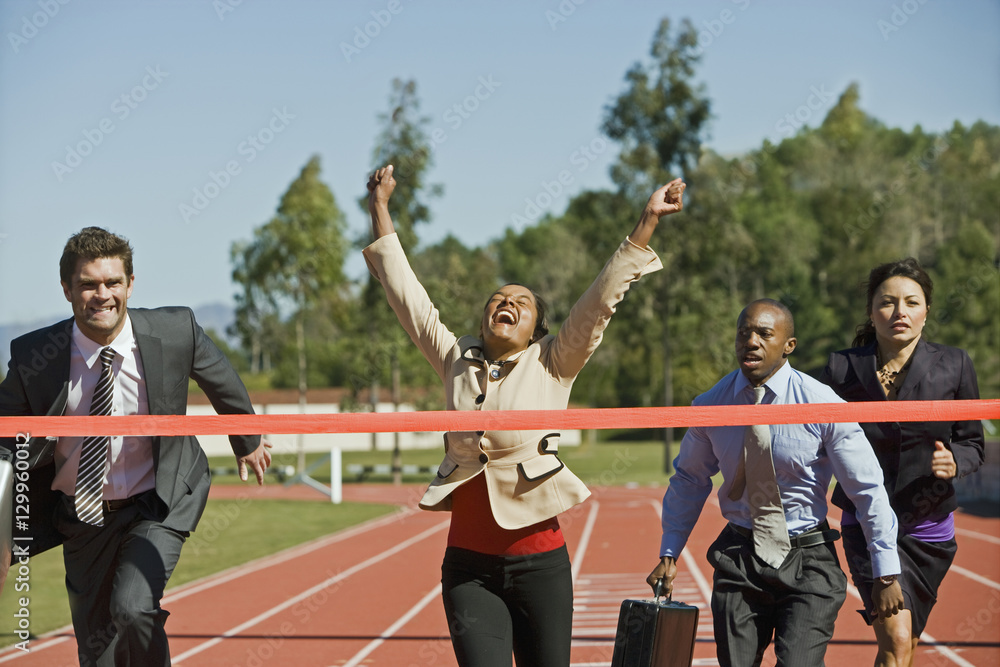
x=526, y=481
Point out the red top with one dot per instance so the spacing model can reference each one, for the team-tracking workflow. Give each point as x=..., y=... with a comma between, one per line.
x=474, y=528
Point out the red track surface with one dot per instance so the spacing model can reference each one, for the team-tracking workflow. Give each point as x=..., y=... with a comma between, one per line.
x=369, y=595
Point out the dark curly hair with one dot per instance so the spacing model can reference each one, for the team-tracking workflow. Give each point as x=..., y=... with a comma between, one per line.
x=906, y=268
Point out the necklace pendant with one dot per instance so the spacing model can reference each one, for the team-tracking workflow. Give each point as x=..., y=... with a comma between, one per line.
x=494, y=373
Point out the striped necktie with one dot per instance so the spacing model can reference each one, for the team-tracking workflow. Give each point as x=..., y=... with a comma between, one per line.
x=94, y=453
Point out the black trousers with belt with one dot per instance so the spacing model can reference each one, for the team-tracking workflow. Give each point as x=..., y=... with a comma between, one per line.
x=503, y=605
x=796, y=604
x=115, y=577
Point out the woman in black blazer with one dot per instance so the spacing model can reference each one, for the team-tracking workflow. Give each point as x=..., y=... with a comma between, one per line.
x=891, y=361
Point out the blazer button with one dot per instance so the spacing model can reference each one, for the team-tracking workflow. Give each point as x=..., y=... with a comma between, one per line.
x=480, y=433
x=483, y=458
x=480, y=399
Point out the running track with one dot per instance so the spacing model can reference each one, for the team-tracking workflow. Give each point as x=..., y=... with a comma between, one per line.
x=370, y=595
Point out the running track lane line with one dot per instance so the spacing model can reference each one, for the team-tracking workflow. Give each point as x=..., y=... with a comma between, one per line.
x=690, y=562
x=958, y=569
x=581, y=549
x=924, y=637
x=975, y=577
x=977, y=535
x=234, y=572
x=305, y=594
x=392, y=629
x=264, y=562
x=35, y=649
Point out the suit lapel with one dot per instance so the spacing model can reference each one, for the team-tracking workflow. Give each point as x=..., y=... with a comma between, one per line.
x=924, y=358
x=54, y=381
x=61, y=369
x=151, y=354
x=863, y=364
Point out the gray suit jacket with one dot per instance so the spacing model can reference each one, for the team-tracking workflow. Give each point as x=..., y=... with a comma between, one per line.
x=173, y=349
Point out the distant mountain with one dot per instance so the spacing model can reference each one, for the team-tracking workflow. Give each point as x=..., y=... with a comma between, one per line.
x=216, y=317
x=213, y=316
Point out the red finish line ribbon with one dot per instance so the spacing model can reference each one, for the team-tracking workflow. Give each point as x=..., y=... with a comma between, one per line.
x=512, y=420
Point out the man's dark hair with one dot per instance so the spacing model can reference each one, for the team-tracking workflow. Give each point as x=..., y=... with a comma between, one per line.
x=92, y=243
x=777, y=305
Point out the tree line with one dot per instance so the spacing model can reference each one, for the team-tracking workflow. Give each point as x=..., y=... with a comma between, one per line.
x=801, y=220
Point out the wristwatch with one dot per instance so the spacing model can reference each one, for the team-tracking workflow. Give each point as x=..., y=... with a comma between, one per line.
x=888, y=580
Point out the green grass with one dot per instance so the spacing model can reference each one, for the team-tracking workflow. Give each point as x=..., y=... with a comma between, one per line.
x=600, y=463
x=46, y=597
x=229, y=534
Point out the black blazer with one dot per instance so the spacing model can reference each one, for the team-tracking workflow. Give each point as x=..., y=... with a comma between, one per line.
x=904, y=449
x=173, y=348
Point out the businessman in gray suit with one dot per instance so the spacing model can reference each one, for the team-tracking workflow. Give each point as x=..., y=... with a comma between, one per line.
x=121, y=507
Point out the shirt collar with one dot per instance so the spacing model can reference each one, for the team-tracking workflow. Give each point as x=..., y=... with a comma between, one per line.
x=475, y=354
x=777, y=384
x=91, y=350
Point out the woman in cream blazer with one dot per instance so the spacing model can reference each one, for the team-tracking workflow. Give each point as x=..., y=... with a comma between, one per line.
x=506, y=579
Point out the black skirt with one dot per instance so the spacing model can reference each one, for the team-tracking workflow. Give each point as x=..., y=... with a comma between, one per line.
x=924, y=565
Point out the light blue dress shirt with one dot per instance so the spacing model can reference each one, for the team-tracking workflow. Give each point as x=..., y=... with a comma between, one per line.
x=805, y=458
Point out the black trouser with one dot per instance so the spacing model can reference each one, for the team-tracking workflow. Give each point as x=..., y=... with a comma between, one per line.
x=115, y=576
x=796, y=603
x=497, y=605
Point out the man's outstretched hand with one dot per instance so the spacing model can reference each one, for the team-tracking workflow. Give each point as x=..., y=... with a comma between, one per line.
x=259, y=460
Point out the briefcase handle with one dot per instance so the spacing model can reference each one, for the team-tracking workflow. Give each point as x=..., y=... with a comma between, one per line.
x=658, y=591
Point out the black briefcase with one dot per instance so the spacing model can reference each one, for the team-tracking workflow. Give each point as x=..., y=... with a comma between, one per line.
x=655, y=633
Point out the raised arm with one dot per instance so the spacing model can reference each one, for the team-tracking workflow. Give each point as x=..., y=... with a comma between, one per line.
x=668, y=199
x=583, y=328
x=380, y=187
x=387, y=262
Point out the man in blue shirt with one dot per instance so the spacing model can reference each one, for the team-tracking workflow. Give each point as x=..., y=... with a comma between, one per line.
x=794, y=590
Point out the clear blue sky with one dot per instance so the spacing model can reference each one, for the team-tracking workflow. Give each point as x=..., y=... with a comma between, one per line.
x=198, y=82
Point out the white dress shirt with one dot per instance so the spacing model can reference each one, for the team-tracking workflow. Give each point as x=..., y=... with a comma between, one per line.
x=131, y=469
